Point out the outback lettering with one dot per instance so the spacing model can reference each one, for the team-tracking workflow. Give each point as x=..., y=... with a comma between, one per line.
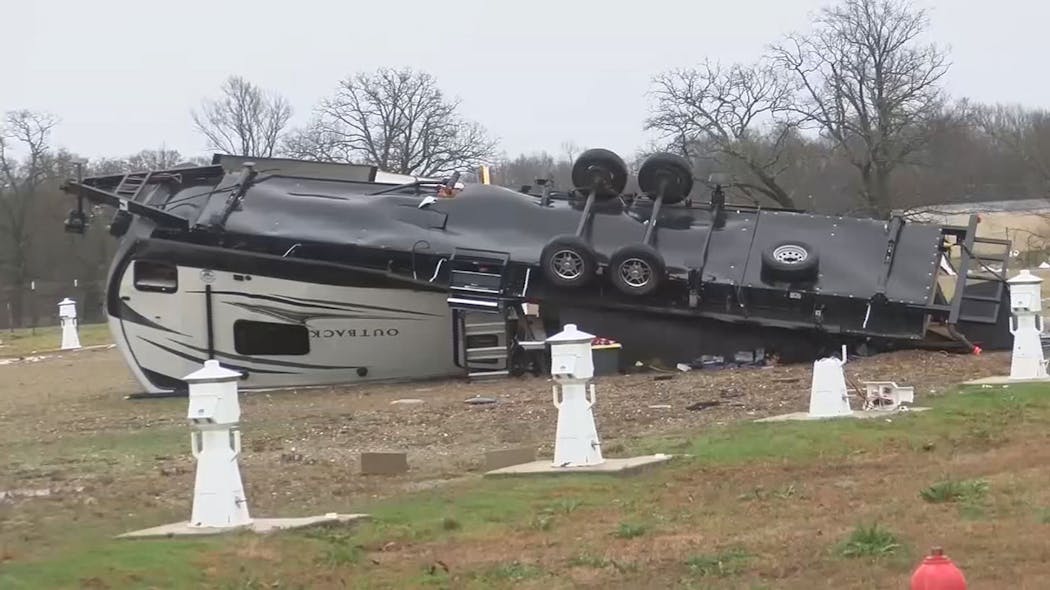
x=354, y=333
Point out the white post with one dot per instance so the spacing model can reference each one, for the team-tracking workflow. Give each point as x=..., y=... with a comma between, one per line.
x=572, y=366
x=827, y=396
x=214, y=413
x=67, y=314
x=1026, y=305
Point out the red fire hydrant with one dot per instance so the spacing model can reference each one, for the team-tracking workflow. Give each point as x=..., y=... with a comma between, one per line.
x=937, y=572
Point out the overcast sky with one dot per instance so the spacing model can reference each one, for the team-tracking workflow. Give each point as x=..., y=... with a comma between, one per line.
x=123, y=74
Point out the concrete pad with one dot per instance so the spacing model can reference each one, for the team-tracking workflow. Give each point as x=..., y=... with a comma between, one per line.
x=383, y=463
x=627, y=466
x=857, y=414
x=507, y=457
x=998, y=380
x=258, y=525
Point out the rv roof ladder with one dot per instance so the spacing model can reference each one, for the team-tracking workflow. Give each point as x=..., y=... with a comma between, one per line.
x=132, y=184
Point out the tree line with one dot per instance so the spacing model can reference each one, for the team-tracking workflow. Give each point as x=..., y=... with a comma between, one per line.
x=850, y=116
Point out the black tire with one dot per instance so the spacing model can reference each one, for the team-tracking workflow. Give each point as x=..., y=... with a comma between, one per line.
x=673, y=169
x=790, y=260
x=600, y=170
x=636, y=270
x=568, y=261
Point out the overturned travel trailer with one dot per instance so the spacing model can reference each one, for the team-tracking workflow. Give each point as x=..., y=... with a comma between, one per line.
x=304, y=273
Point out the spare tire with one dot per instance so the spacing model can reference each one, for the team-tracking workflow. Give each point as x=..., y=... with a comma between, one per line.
x=667, y=168
x=791, y=260
x=601, y=171
x=636, y=270
x=568, y=261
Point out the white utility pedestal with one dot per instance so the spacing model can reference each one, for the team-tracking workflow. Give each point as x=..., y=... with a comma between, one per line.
x=827, y=395
x=572, y=367
x=215, y=413
x=219, y=504
x=1026, y=305
x=577, y=448
x=67, y=314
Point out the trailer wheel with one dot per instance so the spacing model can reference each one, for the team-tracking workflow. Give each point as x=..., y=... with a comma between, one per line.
x=600, y=170
x=791, y=260
x=637, y=269
x=674, y=169
x=568, y=261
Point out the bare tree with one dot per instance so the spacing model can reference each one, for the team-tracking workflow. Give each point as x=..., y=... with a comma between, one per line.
x=158, y=159
x=244, y=120
x=398, y=120
x=20, y=182
x=869, y=85
x=1025, y=133
x=525, y=169
x=739, y=114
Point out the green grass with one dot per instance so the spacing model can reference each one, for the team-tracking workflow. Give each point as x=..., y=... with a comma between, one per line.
x=489, y=509
x=628, y=530
x=588, y=560
x=967, y=491
x=727, y=563
x=27, y=341
x=115, y=451
x=125, y=564
x=870, y=541
x=974, y=420
x=509, y=572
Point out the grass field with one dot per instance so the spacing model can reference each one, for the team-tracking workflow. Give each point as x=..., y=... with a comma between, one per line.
x=27, y=341
x=843, y=504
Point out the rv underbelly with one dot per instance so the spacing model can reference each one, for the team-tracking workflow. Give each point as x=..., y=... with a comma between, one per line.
x=277, y=332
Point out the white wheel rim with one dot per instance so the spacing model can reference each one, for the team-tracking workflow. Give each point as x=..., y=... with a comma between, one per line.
x=636, y=272
x=790, y=254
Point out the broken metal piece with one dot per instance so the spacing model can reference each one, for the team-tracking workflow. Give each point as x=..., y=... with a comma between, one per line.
x=886, y=395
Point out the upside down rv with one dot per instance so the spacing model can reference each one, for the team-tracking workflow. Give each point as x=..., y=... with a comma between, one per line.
x=300, y=273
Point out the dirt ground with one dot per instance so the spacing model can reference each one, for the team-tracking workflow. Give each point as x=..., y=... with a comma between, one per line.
x=52, y=408
x=79, y=462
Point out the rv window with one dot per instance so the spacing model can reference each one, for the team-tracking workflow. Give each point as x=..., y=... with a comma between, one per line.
x=156, y=276
x=270, y=338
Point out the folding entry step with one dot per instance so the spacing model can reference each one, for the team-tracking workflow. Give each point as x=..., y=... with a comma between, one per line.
x=480, y=318
x=483, y=343
x=489, y=325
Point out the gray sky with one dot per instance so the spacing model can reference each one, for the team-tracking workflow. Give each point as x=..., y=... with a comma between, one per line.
x=123, y=74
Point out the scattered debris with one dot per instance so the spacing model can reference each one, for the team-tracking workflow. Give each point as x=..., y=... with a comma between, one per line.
x=11, y=495
x=703, y=405
x=292, y=457
x=406, y=401
x=660, y=407
x=480, y=401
